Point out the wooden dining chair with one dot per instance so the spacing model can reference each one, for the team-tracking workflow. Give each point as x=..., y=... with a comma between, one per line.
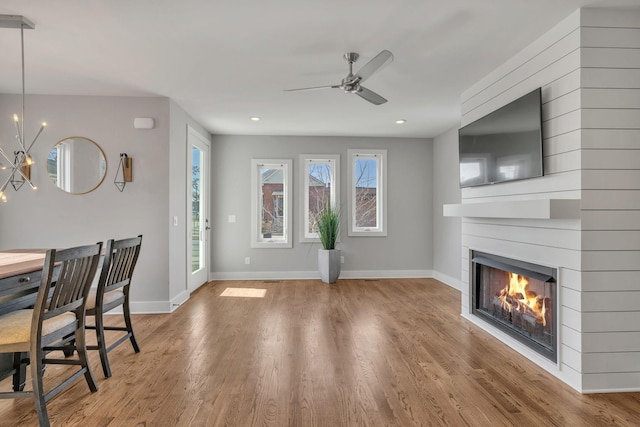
x=113, y=291
x=58, y=316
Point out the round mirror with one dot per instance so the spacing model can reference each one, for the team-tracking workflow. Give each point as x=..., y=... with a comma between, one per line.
x=76, y=165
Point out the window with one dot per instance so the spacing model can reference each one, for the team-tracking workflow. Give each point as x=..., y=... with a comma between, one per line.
x=271, y=203
x=367, y=192
x=320, y=186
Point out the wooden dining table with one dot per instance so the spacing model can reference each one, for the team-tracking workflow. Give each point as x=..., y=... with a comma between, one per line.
x=20, y=276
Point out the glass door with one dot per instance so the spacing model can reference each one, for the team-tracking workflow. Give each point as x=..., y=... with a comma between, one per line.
x=197, y=209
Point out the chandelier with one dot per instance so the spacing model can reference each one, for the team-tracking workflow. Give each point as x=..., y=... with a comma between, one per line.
x=19, y=162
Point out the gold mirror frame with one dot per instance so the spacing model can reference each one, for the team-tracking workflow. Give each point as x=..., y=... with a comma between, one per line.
x=87, y=158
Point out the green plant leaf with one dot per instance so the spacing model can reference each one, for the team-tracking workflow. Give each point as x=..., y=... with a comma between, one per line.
x=328, y=223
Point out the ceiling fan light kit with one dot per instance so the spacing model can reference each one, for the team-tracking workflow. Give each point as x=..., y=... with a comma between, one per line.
x=352, y=82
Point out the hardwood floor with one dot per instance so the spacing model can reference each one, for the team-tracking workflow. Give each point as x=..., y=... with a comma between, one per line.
x=356, y=353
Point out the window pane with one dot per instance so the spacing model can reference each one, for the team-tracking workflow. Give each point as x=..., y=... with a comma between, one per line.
x=196, y=243
x=320, y=175
x=271, y=203
x=366, y=192
x=272, y=213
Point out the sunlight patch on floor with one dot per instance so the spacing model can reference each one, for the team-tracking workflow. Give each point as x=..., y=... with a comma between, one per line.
x=244, y=292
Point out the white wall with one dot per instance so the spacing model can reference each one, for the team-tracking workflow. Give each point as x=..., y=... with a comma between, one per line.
x=49, y=217
x=406, y=251
x=446, y=230
x=589, y=69
x=610, y=103
x=553, y=63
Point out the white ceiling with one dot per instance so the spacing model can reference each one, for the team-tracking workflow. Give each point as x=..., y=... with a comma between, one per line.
x=224, y=61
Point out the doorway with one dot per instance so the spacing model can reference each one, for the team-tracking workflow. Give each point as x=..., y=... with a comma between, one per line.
x=197, y=209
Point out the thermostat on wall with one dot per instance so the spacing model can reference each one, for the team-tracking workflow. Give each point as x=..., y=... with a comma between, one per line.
x=143, y=123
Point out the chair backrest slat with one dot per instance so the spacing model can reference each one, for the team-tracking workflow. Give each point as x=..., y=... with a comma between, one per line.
x=119, y=263
x=77, y=268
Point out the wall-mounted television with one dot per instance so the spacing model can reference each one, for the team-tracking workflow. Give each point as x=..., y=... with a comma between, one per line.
x=505, y=145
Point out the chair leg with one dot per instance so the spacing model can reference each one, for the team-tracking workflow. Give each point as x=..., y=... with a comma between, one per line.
x=127, y=321
x=20, y=371
x=36, y=368
x=102, y=344
x=81, y=348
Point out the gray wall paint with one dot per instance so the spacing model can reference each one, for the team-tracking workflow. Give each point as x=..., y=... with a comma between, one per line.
x=447, y=238
x=49, y=217
x=408, y=246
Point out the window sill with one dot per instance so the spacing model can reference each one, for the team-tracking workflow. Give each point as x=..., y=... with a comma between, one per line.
x=364, y=233
x=271, y=244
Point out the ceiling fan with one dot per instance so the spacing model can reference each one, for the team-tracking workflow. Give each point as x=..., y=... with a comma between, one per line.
x=352, y=82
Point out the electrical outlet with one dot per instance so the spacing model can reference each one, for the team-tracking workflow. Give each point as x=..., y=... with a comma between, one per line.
x=247, y=260
x=175, y=221
x=342, y=259
x=232, y=218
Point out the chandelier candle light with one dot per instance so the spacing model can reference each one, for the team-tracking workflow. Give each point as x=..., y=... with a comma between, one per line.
x=21, y=163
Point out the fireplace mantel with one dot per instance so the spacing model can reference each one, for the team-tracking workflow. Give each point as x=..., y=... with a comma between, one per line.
x=523, y=209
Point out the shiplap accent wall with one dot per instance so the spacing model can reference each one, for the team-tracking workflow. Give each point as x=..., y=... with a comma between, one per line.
x=589, y=69
x=610, y=107
x=552, y=63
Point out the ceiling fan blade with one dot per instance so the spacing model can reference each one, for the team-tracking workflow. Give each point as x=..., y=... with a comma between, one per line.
x=313, y=88
x=370, y=96
x=380, y=60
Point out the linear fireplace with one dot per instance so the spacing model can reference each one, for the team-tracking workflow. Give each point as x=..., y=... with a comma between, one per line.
x=520, y=298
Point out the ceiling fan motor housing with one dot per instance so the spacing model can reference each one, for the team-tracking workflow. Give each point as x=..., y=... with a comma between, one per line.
x=351, y=87
x=351, y=57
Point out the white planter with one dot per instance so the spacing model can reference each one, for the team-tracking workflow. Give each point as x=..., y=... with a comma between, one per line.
x=329, y=264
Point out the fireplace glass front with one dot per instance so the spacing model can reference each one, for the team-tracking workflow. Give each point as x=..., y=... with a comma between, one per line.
x=517, y=297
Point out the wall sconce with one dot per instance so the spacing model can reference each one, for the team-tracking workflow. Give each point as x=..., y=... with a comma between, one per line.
x=124, y=173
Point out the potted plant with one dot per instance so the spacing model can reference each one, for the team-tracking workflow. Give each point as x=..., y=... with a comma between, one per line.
x=328, y=226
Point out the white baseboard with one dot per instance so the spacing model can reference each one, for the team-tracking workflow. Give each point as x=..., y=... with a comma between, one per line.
x=386, y=274
x=448, y=280
x=153, y=307
x=302, y=275
x=179, y=299
x=265, y=275
x=611, y=390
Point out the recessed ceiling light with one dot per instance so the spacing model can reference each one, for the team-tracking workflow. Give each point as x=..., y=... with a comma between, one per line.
x=401, y=121
x=255, y=119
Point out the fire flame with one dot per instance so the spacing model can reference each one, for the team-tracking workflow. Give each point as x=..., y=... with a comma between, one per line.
x=516, y=297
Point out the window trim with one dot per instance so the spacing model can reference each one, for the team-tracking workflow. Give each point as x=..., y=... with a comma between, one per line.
x=305, y=237
x=381, y=192
x=257, y=241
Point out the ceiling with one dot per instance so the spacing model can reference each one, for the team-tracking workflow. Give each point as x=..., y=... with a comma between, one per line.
x=224, y=61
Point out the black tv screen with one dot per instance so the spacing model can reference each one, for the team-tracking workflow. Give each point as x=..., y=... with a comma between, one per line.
x=505, y=145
